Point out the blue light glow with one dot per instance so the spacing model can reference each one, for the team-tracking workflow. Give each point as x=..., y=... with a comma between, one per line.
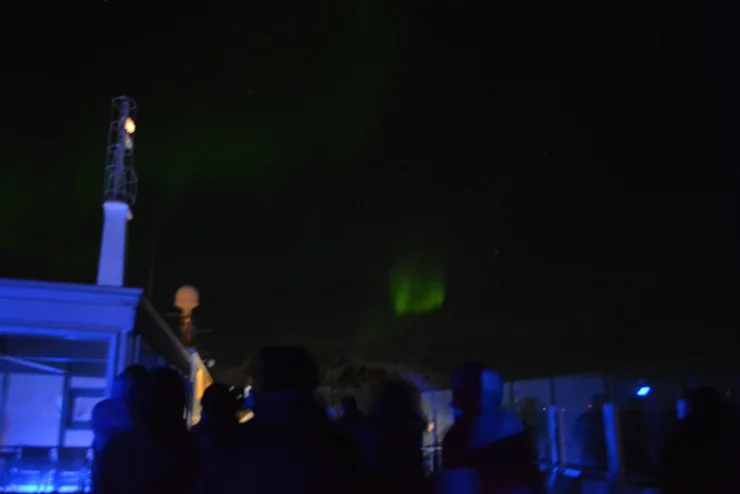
x=42, y=488
x=644, y=391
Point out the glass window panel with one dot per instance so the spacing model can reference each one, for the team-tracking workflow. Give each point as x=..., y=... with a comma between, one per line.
x=34, y=409
x=83, y=407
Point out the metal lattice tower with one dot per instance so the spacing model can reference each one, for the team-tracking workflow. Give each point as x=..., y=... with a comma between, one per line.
x=121, y=181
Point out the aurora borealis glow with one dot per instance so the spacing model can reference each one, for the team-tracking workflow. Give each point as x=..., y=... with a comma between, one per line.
x=417, y=277
x=415, y=293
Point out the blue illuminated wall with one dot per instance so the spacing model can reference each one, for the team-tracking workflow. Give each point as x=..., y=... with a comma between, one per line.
x=64, y=344
x=61, y=346
x=33, y=410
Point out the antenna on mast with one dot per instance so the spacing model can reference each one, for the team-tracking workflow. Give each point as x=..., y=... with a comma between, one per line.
x=121, y=181
x=120, y=190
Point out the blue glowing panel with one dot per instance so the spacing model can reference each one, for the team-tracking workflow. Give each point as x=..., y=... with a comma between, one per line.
x=41, y=487
x=44, y=488
x=643, y=391
x=33, y=413
x=78, y=438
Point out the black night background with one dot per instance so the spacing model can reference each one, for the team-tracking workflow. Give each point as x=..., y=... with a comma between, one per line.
x=565, y=172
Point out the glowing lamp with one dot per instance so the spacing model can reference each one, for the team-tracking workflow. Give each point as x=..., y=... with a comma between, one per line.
x=644, y=391
x=129, y=125
x=187, y=299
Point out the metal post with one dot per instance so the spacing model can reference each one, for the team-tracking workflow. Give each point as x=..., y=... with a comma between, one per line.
x=67, y=407
x=613, y=436
x=124, y=347
x=553, y=426
x=110, y=372
x=192, y=380
x=137, y=349
x=562, y=437
x=553, y=432
x=4, y=406
x=682, y=408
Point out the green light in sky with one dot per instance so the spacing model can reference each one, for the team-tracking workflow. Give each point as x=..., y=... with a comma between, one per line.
x=416, y=289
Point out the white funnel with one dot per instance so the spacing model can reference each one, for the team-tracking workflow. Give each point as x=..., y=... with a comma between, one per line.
x=116, y=215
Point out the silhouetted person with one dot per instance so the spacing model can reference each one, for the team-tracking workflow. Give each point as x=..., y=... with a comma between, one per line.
x=391, y=439
x=530, y=413
x=158, y=455
x=290, y=446
x=487, y=438
x=115, y=415
x=636, y=433
x=218, y=421
x=703, y=455
x=589, y=431
x=351, y=416
x=217, y=433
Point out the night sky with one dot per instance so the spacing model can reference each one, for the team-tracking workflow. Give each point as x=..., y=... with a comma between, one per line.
x=561, y=175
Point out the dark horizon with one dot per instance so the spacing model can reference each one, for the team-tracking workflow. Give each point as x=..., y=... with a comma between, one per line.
x=571, y=175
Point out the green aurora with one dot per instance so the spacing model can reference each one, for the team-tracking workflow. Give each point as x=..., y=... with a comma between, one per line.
x=416, y=286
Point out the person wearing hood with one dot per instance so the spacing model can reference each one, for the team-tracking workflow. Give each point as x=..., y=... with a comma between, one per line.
x=486, y=438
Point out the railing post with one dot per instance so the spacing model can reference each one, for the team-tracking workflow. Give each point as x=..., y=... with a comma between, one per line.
x=562, y=437
x=613, y=437
x=552, y=431
x=111, y=364
x=682, y=408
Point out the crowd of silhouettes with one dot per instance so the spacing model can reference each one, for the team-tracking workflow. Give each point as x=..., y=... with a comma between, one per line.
x=291, y=445
x=142, y=443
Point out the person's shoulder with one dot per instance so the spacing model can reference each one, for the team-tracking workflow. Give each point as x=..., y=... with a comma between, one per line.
x=188, y=442
x=250, y=428
x=119, y=446
x=454, y=435
x=511, y=424
x=110, y=406
x=198, y=428
x=103, y=410
x=102, y=405
x=256, y=432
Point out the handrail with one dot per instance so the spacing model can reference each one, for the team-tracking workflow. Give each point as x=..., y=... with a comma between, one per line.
x=32, y=365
